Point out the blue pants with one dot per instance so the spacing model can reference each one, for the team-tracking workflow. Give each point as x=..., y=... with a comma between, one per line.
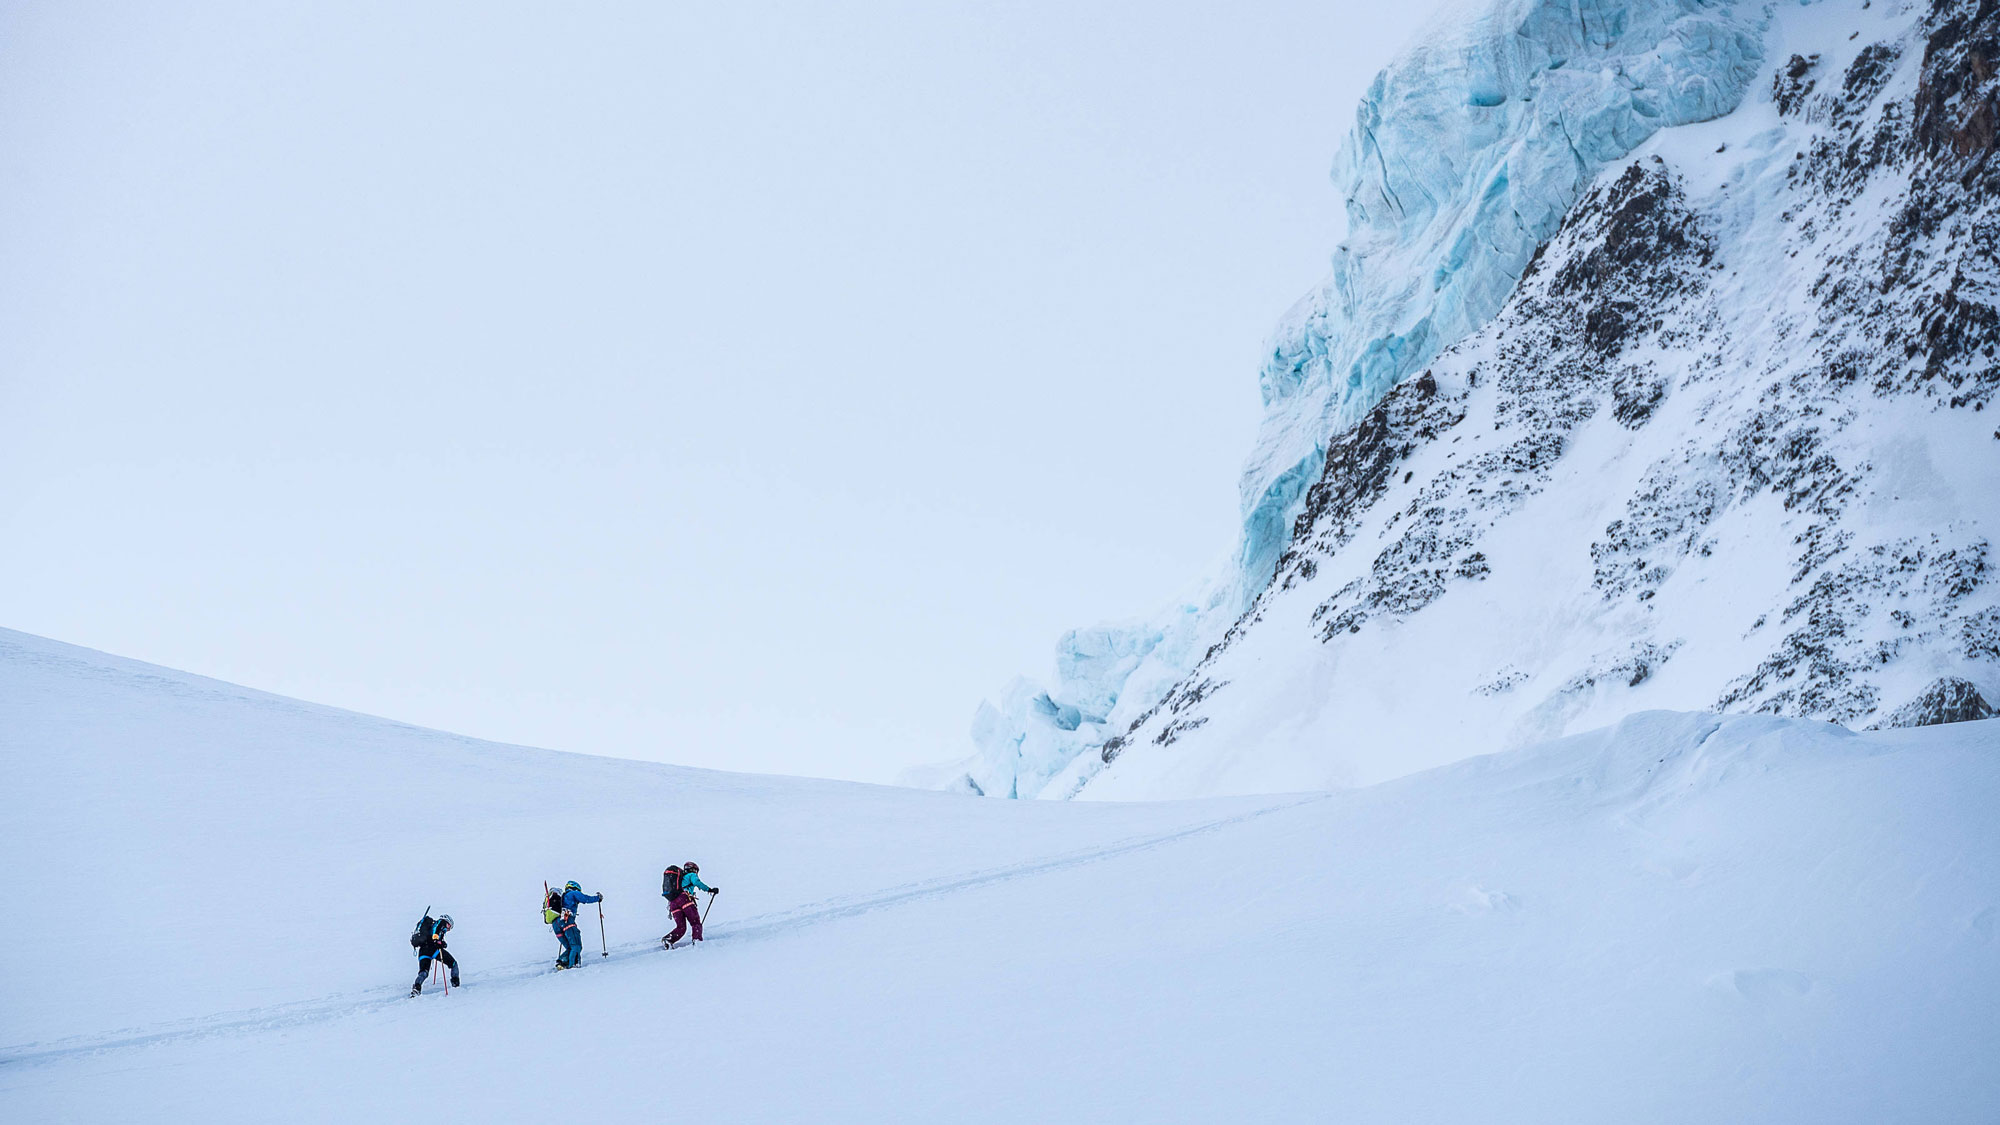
x=572, y=941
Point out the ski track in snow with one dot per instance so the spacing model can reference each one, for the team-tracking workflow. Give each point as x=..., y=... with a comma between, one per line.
x=757, y=927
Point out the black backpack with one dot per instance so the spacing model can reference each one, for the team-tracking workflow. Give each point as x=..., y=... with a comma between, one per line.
x=422, y=931
x=670, y=881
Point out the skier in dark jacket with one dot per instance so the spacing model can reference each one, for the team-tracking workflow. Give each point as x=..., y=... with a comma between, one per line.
x=565, y=925
x=678, y=884
x=430, y=946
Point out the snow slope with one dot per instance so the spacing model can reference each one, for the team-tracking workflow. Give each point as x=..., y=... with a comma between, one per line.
x=1683, y=918
x=235, y=850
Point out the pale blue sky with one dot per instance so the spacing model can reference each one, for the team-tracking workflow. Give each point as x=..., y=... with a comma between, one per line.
x=743, y=385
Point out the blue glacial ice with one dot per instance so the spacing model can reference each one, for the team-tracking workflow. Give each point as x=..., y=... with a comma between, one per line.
x=1464, y=156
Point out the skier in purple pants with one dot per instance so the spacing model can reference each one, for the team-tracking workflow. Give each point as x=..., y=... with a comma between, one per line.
x=678, y=886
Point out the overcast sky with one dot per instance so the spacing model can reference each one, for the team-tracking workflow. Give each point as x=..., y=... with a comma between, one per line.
x=742, y=385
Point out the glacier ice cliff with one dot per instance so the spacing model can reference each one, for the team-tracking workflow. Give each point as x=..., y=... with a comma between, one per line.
x=1724, y=447
x=1464, y=157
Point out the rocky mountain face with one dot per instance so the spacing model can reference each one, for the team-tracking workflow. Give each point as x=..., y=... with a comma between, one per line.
x=1464, y=156
x=1725, y=446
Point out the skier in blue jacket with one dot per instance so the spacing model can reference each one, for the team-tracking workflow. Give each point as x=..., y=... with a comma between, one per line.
x=565, y=924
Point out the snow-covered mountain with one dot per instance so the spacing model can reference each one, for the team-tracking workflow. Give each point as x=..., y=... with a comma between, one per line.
x=1684, y=918
x=1652, y=374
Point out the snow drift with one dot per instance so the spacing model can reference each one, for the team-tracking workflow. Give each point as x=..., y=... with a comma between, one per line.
x=1686, y=917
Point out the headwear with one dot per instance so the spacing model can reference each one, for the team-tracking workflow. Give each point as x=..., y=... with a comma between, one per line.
x=572, y=885
x=691, y=865
x=445, y=921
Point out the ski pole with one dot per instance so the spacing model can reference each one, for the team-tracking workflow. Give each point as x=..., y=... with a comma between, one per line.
x=600, y=931
x=704, y=910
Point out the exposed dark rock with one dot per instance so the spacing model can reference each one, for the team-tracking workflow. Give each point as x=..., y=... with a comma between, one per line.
x=1793, y=82
x=1949, y=700
x=1171, y=732
x=1505, y=682
x=1980, y=635
x=1955, y=96
x=1823, y=664
x=1640, y=254
x=1634, y=668
x=1639, y=226
x=1865, y=78
x=1360, y=462
x=1635, y=395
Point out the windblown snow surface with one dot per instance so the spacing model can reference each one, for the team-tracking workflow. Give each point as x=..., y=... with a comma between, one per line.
x=1653, y=374
x=1682, y=918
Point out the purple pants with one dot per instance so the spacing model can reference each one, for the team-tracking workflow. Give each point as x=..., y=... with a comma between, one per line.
x=686, y=913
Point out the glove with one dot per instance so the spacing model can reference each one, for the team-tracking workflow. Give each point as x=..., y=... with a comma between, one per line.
x=714, y=891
